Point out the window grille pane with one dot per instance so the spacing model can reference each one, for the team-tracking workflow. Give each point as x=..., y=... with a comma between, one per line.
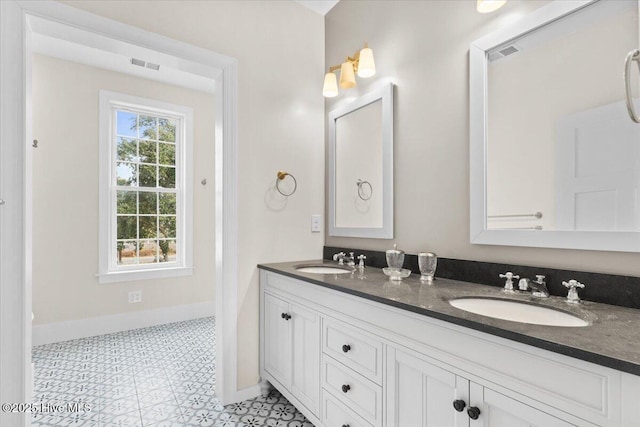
x=127, y=252
x=148, y=251
x=126, y=227
x=167, y=154
x=127, y=202
x=148, y=227
x=148, y=127
x=167, y=250
x=148, y=203
x=167, y=177
x=148, y=152
x=167, y=226
x=126, y=124
x=167, y=130
x=127, y=174
x=127, y=149
x=167, y=204
x=148, y=176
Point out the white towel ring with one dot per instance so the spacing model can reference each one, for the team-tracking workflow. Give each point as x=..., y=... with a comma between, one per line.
x=281, y=176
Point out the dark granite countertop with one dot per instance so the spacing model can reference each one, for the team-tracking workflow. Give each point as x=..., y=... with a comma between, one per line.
x=612, y=339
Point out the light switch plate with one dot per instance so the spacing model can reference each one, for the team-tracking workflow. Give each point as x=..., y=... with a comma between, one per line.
x=316, y=223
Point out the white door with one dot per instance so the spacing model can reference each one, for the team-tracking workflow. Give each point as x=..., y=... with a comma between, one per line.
x=420, y=394
x=498, y=410
x=596, y=170
x=277, y=339
x=305, y=347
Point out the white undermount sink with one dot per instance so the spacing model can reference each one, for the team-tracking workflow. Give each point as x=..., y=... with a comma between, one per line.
x=516, y=311
x=323, y=269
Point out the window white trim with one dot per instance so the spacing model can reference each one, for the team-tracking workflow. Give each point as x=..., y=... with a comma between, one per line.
x=108, y=272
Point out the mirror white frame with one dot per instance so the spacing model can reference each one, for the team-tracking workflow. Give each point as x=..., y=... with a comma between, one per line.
x=385, y=94
x=479, y=234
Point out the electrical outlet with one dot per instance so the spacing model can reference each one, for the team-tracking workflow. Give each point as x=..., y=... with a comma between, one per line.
x=316, y=223
x=135, y=297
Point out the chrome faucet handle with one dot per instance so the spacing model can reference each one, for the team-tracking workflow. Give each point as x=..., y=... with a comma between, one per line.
x=339, y=257
x=508, y=284
x=523, y=284
x=540, y=278
x=361, y=258
x=572, y=296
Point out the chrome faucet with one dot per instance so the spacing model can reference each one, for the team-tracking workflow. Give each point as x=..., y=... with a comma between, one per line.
x=537, y=287
x=341, y=257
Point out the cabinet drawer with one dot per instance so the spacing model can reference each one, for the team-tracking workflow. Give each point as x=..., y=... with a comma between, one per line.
x=356, y=349
x=360, y=394
x=338, y=415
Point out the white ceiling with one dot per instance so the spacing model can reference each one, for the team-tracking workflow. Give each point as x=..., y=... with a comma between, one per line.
x=319, y=6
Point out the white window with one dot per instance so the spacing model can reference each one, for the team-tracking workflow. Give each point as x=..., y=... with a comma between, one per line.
x=145, y=189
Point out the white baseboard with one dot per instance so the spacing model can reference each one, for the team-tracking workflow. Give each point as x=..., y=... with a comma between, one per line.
x=90, y=327
x=247, y=393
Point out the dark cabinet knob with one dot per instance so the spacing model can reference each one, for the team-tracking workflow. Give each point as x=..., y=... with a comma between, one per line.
x=473, y=412
x=459, y=405
x=345, y=425
x=346, y=388
x=346, y=348
x=285, y=316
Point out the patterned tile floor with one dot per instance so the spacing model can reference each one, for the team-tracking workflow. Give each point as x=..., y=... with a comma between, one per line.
x=158, y=376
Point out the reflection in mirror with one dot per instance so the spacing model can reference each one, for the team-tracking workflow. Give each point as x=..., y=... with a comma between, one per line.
x=360, y=167
x=555, y=157
x=562, y=153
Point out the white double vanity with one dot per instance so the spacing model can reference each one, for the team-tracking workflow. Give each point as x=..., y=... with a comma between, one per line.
x=359, y=350
x=349, y=351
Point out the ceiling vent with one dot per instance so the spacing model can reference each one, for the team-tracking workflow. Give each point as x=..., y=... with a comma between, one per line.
x=141, y=63
x=509, y=50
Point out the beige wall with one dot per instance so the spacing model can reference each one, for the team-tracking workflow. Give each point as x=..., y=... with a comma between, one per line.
x=279, y=46
x=423, y=46
x=65, y=195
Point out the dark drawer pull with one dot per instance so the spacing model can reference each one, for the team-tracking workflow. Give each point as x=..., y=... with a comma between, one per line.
x=346, y=388
x=346, y=348
x=285, y=316
x=345, y=425
x=459, y=405
x=473, y=412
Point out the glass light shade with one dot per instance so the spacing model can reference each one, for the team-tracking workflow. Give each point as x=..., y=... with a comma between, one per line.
x=488, y=6
x=347, y=76
x=330, y=88
x=366, y=66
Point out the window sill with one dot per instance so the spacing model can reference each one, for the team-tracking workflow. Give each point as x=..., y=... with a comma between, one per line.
x=132, y=275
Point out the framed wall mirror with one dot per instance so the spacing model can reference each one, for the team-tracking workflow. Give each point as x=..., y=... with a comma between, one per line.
x=554, y=155
x=361, y=167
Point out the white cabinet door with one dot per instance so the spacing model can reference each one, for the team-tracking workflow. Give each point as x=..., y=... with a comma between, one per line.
x=277, y=339
x=305, y=345
x=498, y=410
x=420, y=394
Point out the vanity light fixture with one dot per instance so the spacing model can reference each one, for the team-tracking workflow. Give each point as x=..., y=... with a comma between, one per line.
x=361, y=63
x=488, y=6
